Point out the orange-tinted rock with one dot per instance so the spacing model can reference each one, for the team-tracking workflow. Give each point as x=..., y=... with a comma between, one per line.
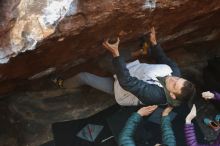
x=77, y=37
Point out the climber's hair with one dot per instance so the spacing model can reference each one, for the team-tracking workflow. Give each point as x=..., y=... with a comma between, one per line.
x=187, y=91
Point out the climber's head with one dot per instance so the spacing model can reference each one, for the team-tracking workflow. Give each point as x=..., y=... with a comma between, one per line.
x=179, y=88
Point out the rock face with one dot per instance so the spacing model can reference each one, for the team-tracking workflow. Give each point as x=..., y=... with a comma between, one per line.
x=64, y=33
x=47, y=37
x=33, y=22
x=35, y=112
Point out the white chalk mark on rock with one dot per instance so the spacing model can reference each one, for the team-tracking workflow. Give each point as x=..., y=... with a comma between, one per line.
x=73, y=8
x=150, y=4
x=43, y=73
x=54, y=12
x=36, y=21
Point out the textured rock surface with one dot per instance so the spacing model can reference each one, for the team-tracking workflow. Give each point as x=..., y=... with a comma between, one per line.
x=35, y=20
x=63, y=34
x=47, y=37
x=33, y=113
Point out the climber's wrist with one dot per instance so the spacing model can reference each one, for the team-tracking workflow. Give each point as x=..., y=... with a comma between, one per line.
x=154, y=43
x=115, y=54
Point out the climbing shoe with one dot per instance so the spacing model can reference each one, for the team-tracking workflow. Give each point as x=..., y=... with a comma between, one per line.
x=58, y=82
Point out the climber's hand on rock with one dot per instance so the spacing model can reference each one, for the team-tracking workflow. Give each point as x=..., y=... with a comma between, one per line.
x=153, y=38
x=113, y=48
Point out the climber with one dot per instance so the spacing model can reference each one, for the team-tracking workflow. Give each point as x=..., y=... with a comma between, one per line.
x=139, y=83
